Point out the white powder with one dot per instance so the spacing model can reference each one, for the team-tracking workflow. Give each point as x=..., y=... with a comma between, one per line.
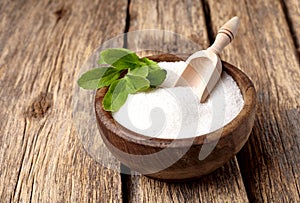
x=175, y=112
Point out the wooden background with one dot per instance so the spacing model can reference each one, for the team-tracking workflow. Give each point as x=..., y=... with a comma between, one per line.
x=43, y=45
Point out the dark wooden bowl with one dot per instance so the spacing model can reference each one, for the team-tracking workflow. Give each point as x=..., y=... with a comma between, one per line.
x=178, y=159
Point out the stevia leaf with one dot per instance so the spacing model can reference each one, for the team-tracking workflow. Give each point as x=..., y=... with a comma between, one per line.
x=91, y=78
x=118, y=91
x=110, y=75
x=156, y=77
x=119, y=58
x=142, y=71
x=136, y=83
x=116, y=96
x=101, y=61
x=154, y=67
x=148, y=61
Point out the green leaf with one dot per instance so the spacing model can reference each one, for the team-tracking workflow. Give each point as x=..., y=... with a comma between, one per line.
x=91, y=78
x=116, y=95
x=118, y=91
x=119, y=58
x=156, y=77
x=143, y=71
x=110, y=75
x=148, y=61
x=154, y=67
x=101, y=61
x=136, y=83
x=141, y=74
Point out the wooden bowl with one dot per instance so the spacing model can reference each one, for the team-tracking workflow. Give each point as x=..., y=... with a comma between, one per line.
x=178, y=159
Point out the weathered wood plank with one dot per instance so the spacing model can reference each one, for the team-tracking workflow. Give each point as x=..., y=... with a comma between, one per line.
x=181, y=17
x=187, y=19
x=292, y=11
x=223, y=185
x=43, y=45
x=270, y=161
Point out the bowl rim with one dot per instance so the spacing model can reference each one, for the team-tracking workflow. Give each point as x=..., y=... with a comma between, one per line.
x=249, y=96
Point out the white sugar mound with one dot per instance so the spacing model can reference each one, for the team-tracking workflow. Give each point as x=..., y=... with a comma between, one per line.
x=175, y=112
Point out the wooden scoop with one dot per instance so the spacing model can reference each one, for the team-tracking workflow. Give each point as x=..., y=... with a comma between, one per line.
x=204, y=67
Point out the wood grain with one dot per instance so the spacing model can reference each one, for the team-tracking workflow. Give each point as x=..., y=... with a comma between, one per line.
x=292, y=12
x=270, y=162
x=223, y=185
x=187, y=19
x=43, y=45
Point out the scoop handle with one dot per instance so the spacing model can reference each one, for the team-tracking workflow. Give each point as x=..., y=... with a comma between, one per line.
x=225, y=35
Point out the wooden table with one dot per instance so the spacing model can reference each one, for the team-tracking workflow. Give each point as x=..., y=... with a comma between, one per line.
x=43, y=45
